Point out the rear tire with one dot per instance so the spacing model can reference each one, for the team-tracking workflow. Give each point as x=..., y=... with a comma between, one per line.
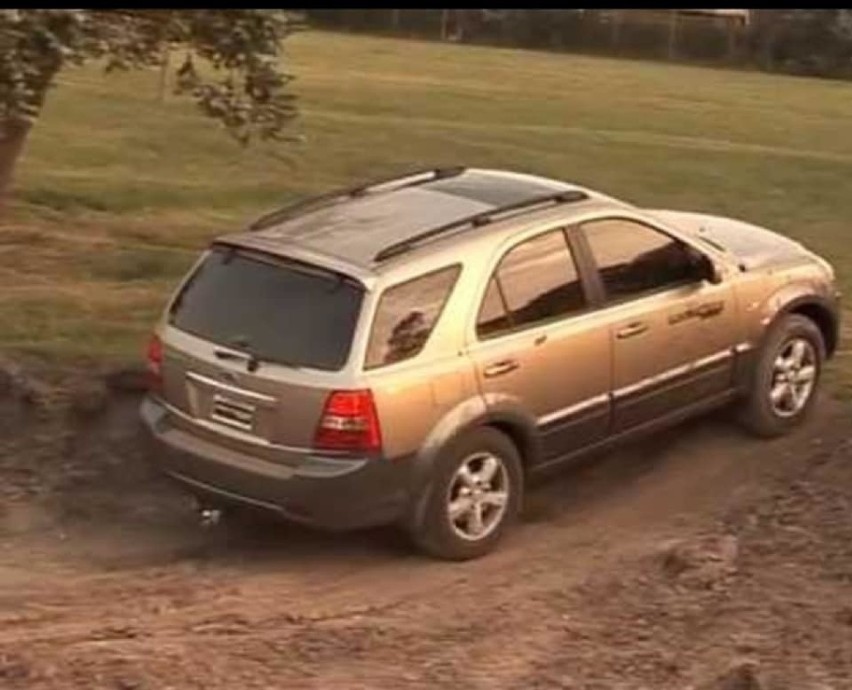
x=786, y=377
x=473, y=497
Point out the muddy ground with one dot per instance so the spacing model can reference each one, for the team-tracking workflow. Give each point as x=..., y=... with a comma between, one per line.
x=700, y=559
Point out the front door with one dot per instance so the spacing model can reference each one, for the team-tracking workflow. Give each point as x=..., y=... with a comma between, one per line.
x=537, y=350
x=672, y=332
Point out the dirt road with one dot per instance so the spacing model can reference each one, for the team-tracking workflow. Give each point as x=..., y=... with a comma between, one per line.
x=699, y=559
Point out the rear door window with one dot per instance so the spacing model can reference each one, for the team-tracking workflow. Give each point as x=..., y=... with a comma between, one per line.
x=535, y=282
x=278, y=310
x=406, y=315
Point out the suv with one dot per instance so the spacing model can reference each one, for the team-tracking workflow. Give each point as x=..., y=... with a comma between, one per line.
x=412, y=351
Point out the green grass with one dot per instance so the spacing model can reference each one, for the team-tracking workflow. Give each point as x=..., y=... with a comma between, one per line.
x=117, y=189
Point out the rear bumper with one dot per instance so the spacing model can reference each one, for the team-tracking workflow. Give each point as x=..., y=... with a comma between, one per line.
x=330, y=493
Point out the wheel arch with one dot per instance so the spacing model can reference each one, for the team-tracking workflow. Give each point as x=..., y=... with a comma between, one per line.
x=824, y=318
x=504, y=415
x=756, y=413
x=817, y=309
x=520, y=433
x=801, y=300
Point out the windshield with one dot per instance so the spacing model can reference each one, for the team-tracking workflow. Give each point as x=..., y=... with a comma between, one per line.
x=276, y=310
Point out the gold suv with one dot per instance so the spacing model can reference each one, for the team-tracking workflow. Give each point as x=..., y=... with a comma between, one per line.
x=412, y=351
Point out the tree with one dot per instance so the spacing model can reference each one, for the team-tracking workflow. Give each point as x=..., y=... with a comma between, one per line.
x=815, y=42
x=231, y=66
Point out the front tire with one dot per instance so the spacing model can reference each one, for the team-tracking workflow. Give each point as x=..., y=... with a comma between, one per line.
x=474, y=495
x=786, y=377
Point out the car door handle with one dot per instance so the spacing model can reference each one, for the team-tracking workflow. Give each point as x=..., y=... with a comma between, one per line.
x=631, y=329
x=709, y=309
x=500, y=368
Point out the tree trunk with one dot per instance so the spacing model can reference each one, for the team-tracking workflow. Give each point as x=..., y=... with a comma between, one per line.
x=672, y=47
x=733, y=40
x=164, y=74
x=13, y=136
x=615, y=35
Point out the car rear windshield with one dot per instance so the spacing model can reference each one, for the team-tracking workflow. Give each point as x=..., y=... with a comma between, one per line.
x=277, y=310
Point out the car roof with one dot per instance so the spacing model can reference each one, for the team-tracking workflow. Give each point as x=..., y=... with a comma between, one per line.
x=348, y=232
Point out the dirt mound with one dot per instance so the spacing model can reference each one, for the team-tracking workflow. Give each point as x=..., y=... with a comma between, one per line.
x=70, y=449
x=701, y=563
x=698, y=560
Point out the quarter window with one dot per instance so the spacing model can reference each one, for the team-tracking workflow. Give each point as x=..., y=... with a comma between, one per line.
x=535, y=282
x=493, y=317
x=406, y=315
x=634, y=259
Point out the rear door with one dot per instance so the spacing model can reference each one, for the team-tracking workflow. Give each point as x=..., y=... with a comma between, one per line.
x=672, y=332
x=252, y=345
x=536, y=349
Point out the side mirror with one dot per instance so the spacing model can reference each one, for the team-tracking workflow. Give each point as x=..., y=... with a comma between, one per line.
x=710, y=271
x=705, y=267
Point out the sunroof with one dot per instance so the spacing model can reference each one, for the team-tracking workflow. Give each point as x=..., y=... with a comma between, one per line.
x=495, y=190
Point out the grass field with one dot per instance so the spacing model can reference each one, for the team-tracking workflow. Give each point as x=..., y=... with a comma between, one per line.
x=118, y=190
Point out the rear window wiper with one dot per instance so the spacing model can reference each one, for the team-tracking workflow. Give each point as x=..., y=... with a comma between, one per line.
x=252, y=359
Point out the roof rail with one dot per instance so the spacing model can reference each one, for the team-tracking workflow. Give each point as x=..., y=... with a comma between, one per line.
x=480, y=219
x=414, y=177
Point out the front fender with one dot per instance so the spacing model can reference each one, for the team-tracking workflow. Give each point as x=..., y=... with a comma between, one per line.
x=797, y=297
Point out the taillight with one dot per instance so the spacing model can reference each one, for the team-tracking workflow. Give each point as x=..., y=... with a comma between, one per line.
x=155, y=364
x=349, y=422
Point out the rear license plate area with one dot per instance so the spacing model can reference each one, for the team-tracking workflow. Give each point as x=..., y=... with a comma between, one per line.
x=233, y=413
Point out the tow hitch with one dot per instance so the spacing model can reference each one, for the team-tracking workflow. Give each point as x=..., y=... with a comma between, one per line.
x=208, y=516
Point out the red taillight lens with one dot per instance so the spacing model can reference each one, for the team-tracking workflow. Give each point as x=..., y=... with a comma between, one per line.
x=155, y=364
x=349, y=422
